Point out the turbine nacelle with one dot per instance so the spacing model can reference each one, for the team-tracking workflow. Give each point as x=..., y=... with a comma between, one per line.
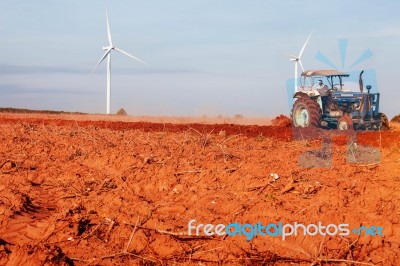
x=105, y=48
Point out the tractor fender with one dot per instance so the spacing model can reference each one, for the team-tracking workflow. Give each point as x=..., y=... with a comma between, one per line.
x=299, y=94
x=311, y=94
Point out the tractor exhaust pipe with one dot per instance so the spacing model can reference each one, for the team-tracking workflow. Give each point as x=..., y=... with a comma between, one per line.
x=360, y=81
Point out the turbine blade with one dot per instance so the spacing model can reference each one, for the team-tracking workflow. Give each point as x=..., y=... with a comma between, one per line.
x=290, y=55
x=101, y=59
x=129, y=55
x=108, y=30
x=301, y=65
x=304, y=46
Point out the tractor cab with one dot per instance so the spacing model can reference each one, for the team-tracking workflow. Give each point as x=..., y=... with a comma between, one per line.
x=317, y=79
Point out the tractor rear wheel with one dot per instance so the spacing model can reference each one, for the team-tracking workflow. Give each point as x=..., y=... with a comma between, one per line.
x=345, y=123
x=306, y=112
x=385, y=122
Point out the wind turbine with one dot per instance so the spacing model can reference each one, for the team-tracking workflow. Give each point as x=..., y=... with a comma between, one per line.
x=297, y=60
x=107, y=54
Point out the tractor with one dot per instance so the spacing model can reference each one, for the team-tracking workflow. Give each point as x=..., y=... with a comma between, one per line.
x=322, y=100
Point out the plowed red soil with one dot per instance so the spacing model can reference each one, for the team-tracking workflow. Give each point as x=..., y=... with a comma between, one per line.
x=79, y=191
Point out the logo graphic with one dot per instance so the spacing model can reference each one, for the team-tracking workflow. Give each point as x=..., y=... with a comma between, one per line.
x=341, y=98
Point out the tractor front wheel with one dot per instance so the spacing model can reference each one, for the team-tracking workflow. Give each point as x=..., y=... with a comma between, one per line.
x=306, y=112
x=345, y=123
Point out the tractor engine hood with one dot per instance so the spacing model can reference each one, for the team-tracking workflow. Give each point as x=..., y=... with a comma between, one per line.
x=347, y=96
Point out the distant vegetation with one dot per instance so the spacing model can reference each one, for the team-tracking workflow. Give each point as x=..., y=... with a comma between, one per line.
x=122, y=112
x=28, y=111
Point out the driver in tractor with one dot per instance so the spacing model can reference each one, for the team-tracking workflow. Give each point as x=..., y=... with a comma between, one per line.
x=324, y=92
x=326, y=96
x=322, y=88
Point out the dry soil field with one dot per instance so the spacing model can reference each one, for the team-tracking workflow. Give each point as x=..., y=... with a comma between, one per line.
x=76, y=190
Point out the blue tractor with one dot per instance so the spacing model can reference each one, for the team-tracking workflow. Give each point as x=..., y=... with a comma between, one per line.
x=322, y=100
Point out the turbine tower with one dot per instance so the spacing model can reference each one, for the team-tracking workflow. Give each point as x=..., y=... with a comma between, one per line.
x=107, y=54
x=297, y=60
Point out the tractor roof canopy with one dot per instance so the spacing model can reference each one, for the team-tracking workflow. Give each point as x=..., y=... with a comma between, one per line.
x=323, y=73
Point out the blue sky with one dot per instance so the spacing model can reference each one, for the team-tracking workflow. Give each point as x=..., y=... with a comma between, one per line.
x=204, y=57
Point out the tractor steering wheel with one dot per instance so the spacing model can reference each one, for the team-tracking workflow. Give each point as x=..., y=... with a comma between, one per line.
x=336, y=88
